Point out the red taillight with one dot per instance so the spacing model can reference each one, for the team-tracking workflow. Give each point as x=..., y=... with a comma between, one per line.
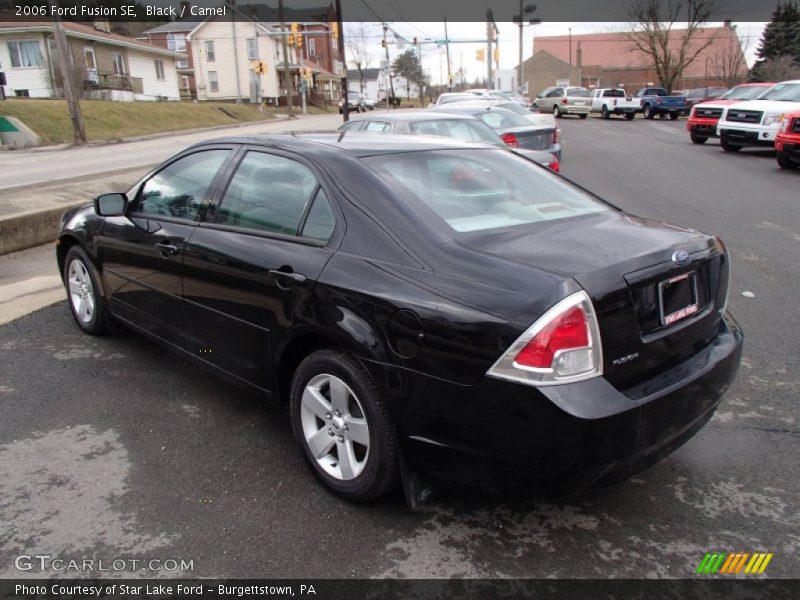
x=563, y=101
x=554, y=165
x=510, y=140
x=569, y=331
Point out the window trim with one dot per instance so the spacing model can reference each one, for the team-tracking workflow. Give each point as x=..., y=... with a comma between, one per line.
x=251, y=44
x=212, y=83
x=121, y=66
x=210, y=213
x=210, y=191
x=212, y=55
x=41, y=64
x=161, y=72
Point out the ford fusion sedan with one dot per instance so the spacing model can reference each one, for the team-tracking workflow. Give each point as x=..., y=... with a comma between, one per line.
x=424, y=308
x=757, y=122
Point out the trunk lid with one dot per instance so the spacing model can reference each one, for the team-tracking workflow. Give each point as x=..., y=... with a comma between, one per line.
x=532, y=138
x=654, y=310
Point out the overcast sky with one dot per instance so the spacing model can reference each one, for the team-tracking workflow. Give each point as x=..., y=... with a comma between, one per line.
x=434, y=60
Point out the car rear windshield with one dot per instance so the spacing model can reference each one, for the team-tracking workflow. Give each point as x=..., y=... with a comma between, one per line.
x=578, y=92
x=744, y=92
x=467, y=130
x=783, y=91
x=614, y=94
x=479, y=190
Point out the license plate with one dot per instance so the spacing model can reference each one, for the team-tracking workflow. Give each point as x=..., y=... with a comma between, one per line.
x=580, y=103
x=678, y=297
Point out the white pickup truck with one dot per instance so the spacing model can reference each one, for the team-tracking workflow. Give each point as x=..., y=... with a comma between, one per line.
x=613, y=101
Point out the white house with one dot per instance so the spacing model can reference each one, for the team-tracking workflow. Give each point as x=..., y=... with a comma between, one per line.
x=107, y=65
x=370, y=83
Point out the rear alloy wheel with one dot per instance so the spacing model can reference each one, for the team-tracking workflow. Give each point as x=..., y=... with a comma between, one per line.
x=674, y=116
x=648, y=112
x=343, y=427
x=728, y=147
x=785, y=162
x=604, y=113
x=85, y=304
x=556, y=112
x=697, y=139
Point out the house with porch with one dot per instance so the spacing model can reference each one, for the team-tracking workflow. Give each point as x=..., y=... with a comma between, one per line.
x=106, y=65
x=372, y=84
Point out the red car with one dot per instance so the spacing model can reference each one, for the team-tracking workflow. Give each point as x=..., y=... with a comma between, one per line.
x=787, y=142
x=702, y=123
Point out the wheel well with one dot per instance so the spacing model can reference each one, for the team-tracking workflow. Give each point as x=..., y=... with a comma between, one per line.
x=291, y=357
x=64, y=244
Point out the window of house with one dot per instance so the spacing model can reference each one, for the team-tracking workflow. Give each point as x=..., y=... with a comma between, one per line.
x=160, y=70
x=213, y=81
x=312, y=46
x=25, y=54
x=22, y=93
x=119, y=63
x=210, y=56
x=176, y=42
x=184, y=82
x=252, y=51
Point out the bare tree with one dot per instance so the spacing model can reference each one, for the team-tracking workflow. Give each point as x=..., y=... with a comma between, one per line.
x=729, y=65
x=670, y=49
x=357, y=42
x=780, y=68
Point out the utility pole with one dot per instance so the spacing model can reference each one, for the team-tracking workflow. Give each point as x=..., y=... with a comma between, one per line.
x=447, y=46
x=66, y=65
x=389, y=66
x=340, y=33
x=287, y=71
x=489, y=34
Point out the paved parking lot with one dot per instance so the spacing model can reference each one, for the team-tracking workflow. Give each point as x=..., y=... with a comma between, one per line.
x=114, y=448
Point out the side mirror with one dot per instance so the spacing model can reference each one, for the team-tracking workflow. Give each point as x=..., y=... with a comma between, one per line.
x=110, y=205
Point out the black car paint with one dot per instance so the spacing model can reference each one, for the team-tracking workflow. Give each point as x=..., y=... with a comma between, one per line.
x=428, y=315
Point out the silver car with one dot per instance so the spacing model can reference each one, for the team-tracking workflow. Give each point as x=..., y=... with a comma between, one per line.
x=565, y=100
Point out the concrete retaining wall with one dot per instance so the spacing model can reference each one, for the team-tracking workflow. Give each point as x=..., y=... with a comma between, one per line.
x=25, y=230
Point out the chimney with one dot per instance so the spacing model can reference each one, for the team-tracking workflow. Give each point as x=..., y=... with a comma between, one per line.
x=185, y=8
x=727, y=24
x=103, y=25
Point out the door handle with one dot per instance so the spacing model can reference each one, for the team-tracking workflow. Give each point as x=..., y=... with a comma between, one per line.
x=287, y=277
x=166, y=249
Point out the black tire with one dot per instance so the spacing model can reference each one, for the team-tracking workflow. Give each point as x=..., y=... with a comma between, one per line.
x=674, y=116
x=697, y=139
x=583, y=115
x=784, y=162
x=381, y=471
x=98, y=324
x=556, y=111
x=648, y=112
x=728, y=147
x=604, y=113
x=630, y=116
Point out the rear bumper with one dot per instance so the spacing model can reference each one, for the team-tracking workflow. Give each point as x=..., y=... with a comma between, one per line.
x=571, y=109
x=743, y=136
x=564, y=437
x=703, y=127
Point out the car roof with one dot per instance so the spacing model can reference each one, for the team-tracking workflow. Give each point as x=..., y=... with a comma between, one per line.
x=417, y=115
x=470, y=108
x=355, y=144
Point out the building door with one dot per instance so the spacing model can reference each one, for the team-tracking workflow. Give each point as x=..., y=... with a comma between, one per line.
x=90, y=64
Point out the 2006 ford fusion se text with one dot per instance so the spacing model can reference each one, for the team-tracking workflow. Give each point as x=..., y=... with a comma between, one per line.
x=429, y=310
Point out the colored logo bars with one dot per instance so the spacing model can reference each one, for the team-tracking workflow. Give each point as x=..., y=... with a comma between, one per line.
x=720, y=562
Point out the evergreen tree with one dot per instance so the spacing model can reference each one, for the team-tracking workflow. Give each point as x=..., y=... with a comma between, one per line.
x=781, y=38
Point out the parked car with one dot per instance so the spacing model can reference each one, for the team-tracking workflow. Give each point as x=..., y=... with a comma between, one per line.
x=787, y=142
x=516, y=131
x=448, y=97
x=564, y=100
x=369, y=102
x=656, y=101
x=355, y=102
x=756, y=122
x=478, y=318
x=697, y=95
x=613, y=101
x=451, y=125
x=703, y=117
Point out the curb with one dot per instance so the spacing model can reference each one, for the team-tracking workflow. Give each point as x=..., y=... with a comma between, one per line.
x=32, y=228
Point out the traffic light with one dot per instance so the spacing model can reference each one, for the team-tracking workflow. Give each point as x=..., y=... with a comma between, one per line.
x=496, y=54
x=260, y=67
x=480, y=54
x=415, y=41
x=298, y=40
x=335, y=30
x=383, y=43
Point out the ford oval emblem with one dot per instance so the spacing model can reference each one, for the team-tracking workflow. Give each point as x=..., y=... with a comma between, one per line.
x=680, y=257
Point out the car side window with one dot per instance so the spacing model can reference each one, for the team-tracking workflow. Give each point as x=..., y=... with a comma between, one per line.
x=556, y=93
x=320, y=221
x=178, y=190
x=351, y=126
x=267, y=193
x=378, y=127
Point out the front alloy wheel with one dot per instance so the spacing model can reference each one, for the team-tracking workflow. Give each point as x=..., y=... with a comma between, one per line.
x=85, y=303
x=343, y=427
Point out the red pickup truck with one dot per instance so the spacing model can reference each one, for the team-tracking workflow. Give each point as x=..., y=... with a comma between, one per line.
x=702, y=123
x=787, y=142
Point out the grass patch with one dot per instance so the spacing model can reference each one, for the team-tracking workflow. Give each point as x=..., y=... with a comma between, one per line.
x=111, y=120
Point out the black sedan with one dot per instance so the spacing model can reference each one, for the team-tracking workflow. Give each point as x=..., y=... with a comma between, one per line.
x=427, y=309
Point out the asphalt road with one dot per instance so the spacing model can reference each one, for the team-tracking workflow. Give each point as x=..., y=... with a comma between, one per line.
x=114, y=448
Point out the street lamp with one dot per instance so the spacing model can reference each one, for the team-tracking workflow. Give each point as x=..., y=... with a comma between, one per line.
x=520, y=18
